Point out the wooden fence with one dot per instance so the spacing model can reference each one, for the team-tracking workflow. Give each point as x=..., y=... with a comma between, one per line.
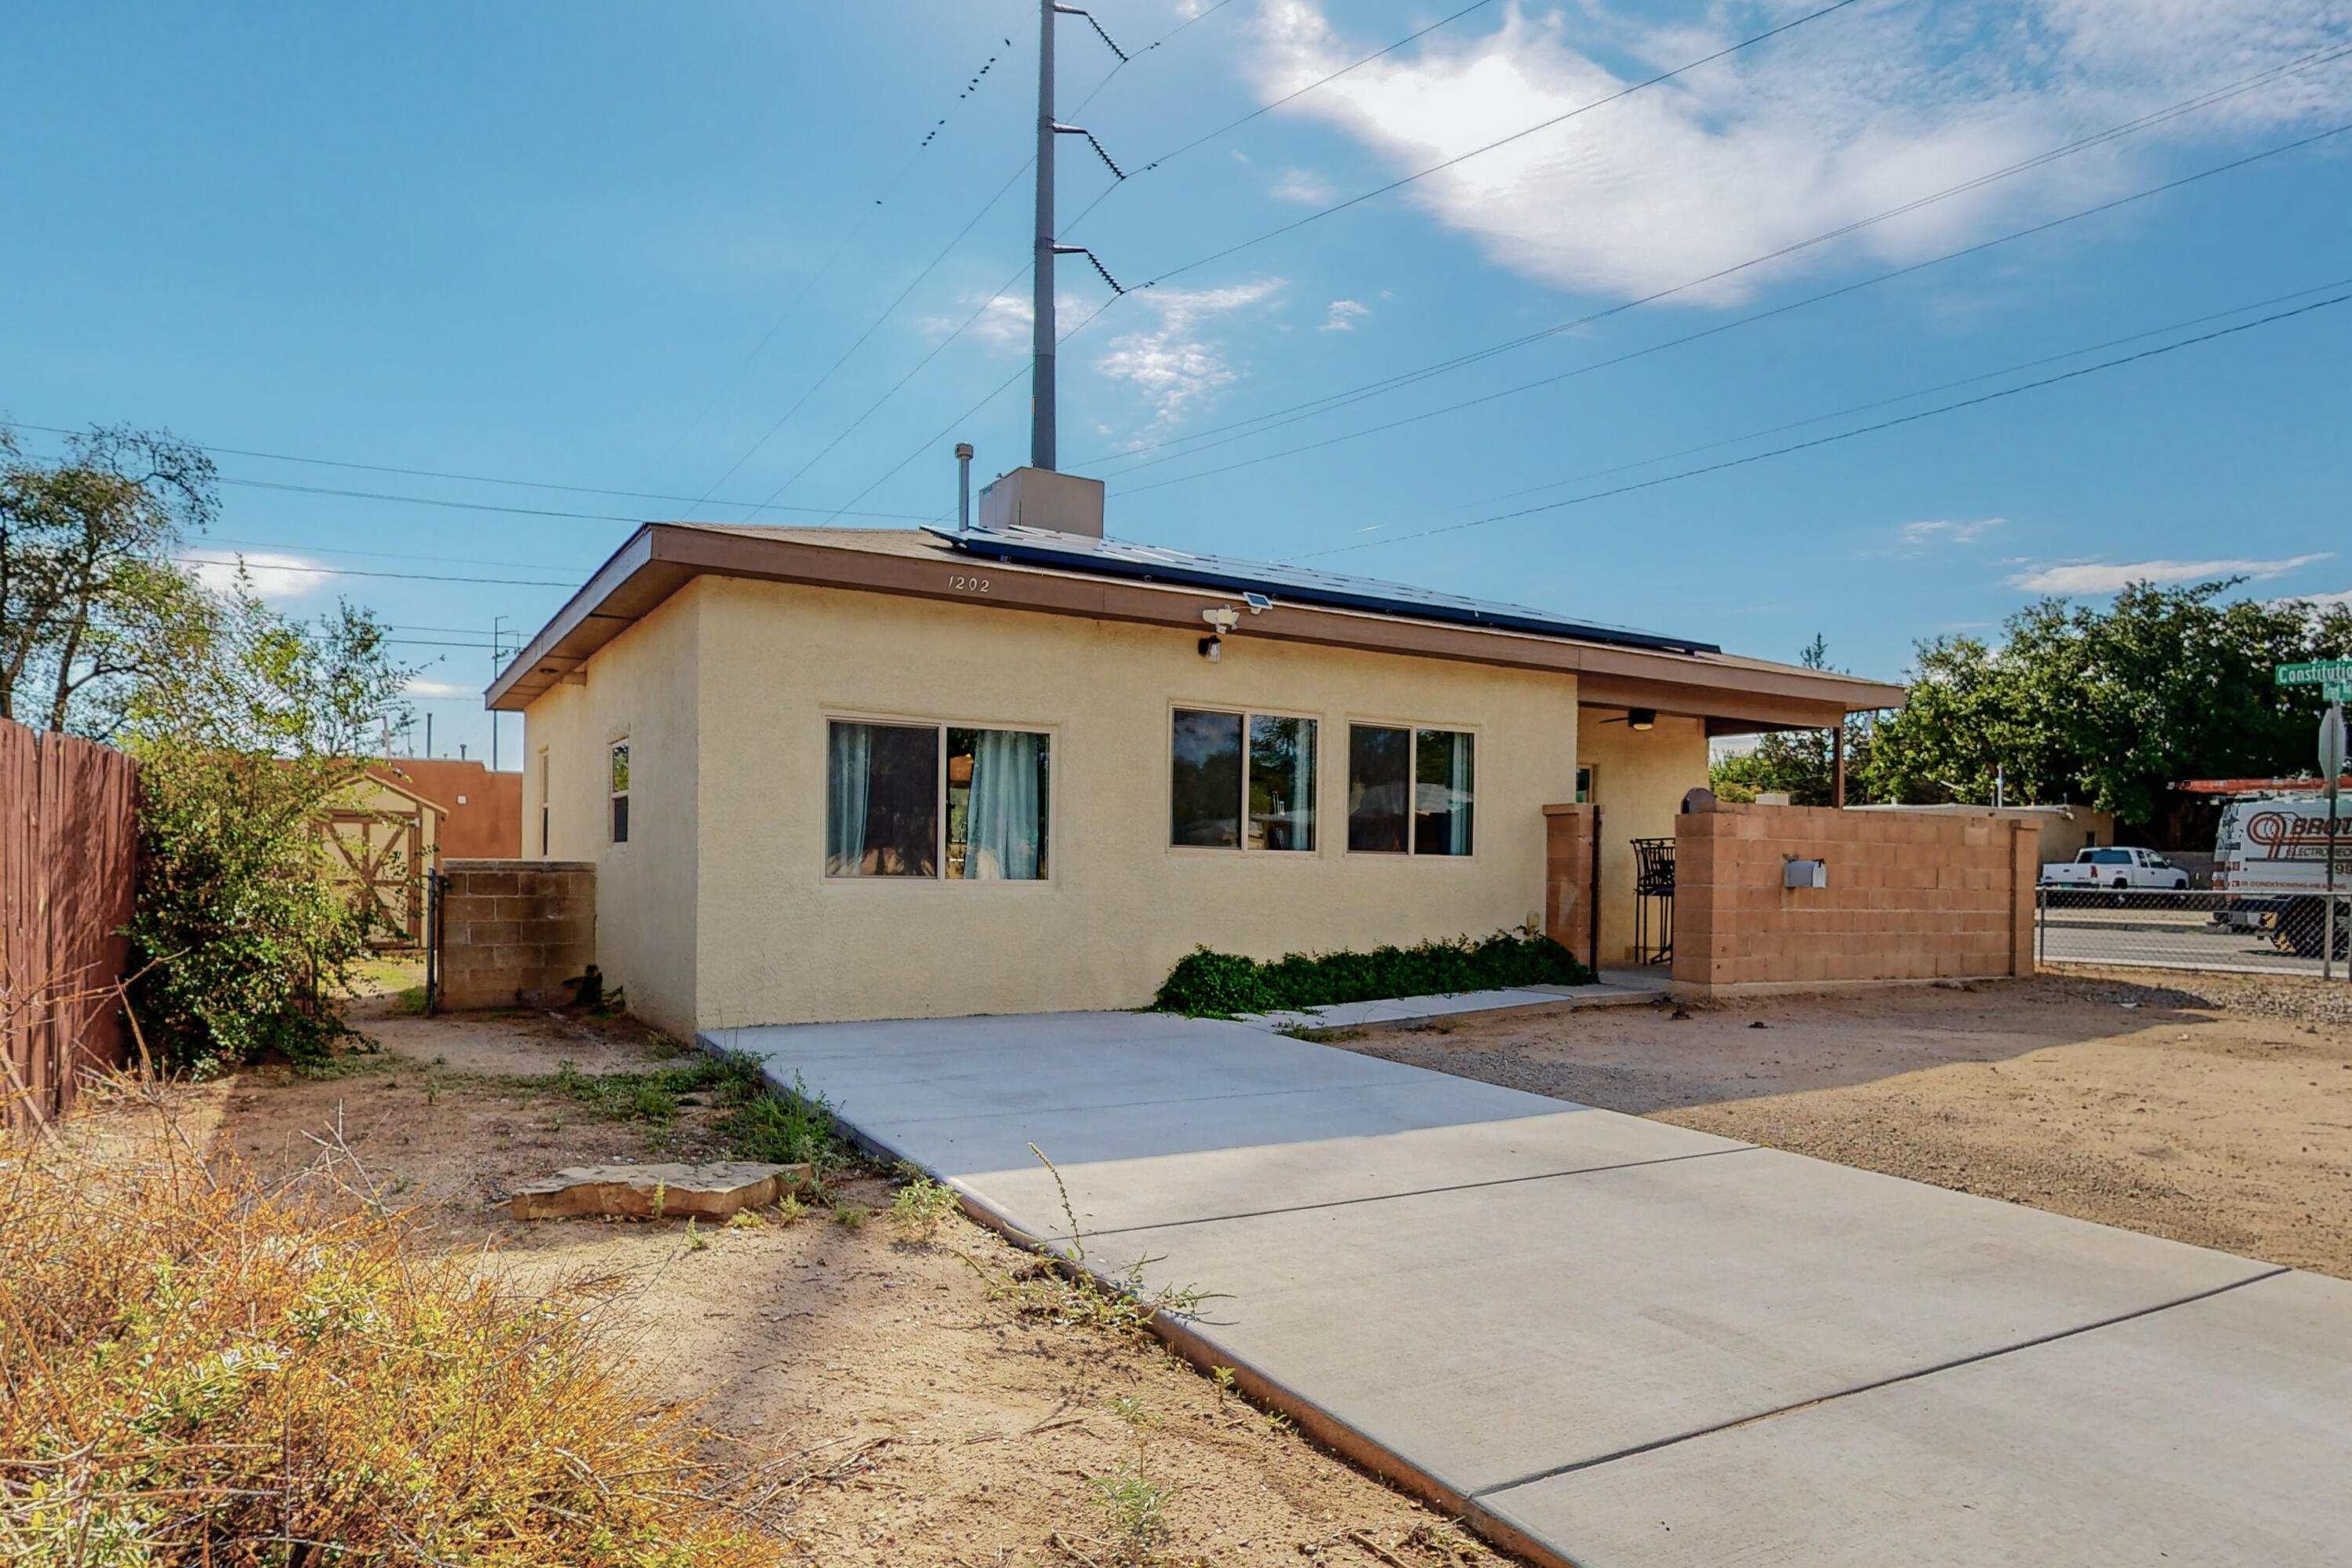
x=68, y=874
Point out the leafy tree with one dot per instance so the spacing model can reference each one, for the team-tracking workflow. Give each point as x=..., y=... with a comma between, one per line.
x=90, y=601
x=245, y=745
x=1800, y=763
x=2110, y=707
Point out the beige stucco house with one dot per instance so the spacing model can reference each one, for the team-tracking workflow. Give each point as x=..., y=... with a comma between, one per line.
x=841, y=774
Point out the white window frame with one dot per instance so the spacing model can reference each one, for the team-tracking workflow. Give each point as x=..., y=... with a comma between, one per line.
x=939, y=843
x=1167, y=805
x=1415, y=726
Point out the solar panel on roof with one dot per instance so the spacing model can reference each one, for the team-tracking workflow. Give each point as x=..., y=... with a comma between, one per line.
x=1297, y=585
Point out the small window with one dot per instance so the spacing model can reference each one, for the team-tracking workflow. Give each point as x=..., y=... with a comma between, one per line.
x=621, y=792
x=542, y=802
x=1584, y=786
x=1243, y=781
x=1410, y=791
x=937, y=801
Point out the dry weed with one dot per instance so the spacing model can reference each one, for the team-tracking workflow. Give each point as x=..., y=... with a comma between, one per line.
x=196, y=1370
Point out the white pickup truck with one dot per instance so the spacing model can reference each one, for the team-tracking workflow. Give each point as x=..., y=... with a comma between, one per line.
x=2116, y=867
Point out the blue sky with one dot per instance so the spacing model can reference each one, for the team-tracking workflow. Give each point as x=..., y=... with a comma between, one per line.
x=614, y=245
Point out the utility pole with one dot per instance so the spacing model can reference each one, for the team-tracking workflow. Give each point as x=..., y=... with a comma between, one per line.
x=498, y=644
x=1041, y=280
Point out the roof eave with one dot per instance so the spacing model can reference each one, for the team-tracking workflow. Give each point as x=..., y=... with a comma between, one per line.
x=660, y=558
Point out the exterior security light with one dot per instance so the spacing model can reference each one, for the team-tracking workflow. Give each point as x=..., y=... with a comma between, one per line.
x=1222, y=619
x=1643, y=718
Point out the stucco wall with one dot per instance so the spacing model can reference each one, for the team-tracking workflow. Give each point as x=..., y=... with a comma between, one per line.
x=645, y=685
x=779, y=942
x=1639, y=779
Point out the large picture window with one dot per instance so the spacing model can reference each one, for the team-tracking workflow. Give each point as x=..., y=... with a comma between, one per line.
x=1409, y=790
x=1242, y=781
x=938, y=801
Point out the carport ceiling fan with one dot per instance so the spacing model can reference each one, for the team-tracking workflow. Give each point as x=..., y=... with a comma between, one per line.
x=1637, y=719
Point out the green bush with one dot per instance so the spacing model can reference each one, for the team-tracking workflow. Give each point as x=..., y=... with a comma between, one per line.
x=1208, y=984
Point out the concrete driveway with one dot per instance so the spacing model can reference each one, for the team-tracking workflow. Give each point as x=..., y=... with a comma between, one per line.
x=1608, y=1340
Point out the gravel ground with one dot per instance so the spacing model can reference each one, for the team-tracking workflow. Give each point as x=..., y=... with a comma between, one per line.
x=2216, y=1111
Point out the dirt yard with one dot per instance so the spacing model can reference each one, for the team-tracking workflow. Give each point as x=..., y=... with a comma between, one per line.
x=2217, y=1111
x=935, y=1402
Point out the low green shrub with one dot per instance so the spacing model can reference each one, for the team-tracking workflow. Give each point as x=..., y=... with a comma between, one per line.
x=776, y=1129
x=1208, y=984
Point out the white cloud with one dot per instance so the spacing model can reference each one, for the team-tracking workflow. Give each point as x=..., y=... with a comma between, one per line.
x=1845, y=118
x=1172, y=364
x=1918, y=538
x=2098, y=577
x=1004, y=320
x=419, y=687
x=1304, y=186
x=1343, y=315
x=267, y=574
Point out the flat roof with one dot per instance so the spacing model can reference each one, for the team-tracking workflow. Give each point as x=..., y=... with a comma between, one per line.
x=1065, y=575
x=1300, y=584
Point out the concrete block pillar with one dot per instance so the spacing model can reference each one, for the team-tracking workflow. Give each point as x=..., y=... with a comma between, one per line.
x=2024, y=871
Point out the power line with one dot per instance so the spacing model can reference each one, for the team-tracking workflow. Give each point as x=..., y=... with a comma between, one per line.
x=936, y=348
x=865, y=216
x=1200, y=440
x=1125, y=60
x=483, y=479
x=1883, y=424
x=211, y=539
x=1277, y=103
x=931, y=444
x=872, y=328
x=1907, y=396
x=1704, y=332
x=1398, y=185
x=405, y=576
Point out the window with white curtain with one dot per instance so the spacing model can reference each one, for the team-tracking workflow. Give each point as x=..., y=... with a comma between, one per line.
x=1409, y=790
x=938, y=801
x=1243, y=781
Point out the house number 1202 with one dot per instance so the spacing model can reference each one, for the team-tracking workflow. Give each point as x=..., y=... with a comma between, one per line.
x=969, y=585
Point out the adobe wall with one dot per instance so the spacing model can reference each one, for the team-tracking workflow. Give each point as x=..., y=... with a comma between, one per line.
x=512, y=931
x=1911, y=896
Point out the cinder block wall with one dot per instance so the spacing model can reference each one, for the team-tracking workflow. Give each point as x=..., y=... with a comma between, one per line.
x=512, y=931
x=1568, y=876
x=1911, y=896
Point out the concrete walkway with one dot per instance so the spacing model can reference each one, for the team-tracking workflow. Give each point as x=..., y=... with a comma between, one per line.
x=1608, y=1340
x=1404, y=1011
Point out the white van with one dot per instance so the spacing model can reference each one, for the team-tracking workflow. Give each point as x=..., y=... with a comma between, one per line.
x=2271, y=857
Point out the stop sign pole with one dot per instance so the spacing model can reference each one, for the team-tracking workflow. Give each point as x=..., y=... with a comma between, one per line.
x=2333, y=677
x=2331, y=768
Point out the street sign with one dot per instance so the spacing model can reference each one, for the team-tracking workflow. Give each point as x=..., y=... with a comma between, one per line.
x=2320, y=672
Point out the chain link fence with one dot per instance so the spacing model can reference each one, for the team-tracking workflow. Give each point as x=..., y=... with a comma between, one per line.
x=2214, y=931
